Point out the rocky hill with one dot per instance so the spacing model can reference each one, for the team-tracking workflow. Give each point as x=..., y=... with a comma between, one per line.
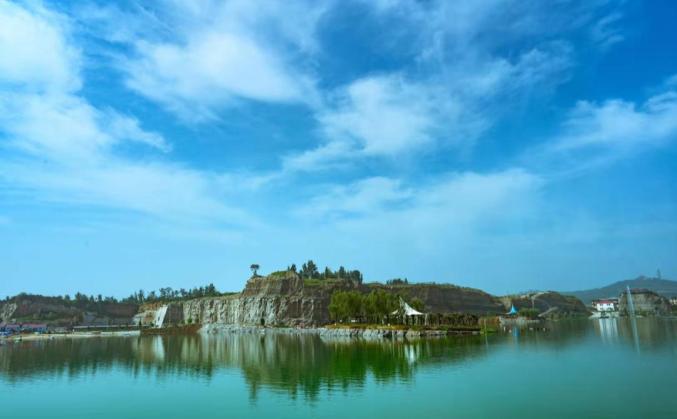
x=644, y=302
x=445, y=298
x=25, y=308
x=280, y=299
x=285, y=299
x=553, y=304
x=664, y=287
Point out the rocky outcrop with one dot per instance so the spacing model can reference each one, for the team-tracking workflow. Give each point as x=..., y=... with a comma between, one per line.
x=550, y=302
x=285, y=299
x=280, y=300
x=51, y=310
x=646, y=302
x=446, y=298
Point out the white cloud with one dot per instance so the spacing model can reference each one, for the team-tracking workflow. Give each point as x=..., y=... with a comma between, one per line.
x=389, y=115
x=125, y=127
x=327, y=156
x=377, y=116
x=161, y=190
x=63, y=149
x=460, y=217
x=67, y=127
x=456, y=199
x=620, y=125
x=204, y=56
x=209, y=71
x=35, y=49
x=384, y=115
x=596, y=134
x=366, y=196
x=223, y=52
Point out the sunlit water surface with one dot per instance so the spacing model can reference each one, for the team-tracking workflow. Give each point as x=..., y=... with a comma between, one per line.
x=601, y=368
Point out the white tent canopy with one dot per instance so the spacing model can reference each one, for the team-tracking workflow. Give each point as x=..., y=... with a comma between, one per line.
x=407, y=310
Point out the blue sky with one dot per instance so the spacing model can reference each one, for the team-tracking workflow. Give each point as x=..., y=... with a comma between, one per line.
x=503, y=145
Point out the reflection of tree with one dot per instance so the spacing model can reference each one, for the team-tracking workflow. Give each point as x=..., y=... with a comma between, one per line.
x=305, y=363
x=297, y=365
x=292, y=363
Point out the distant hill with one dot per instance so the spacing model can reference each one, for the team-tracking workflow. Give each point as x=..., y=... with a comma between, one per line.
x=664, y=287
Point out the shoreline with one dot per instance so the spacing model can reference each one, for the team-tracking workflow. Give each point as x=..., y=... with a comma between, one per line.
x=340, y=332
x=73, y=335
x=216, y=329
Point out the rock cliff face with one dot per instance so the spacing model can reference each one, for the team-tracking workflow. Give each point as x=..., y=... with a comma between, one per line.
x=646, y=302
x=286, y=300
x=33, y=308
x=446, y=298
x=280, y=300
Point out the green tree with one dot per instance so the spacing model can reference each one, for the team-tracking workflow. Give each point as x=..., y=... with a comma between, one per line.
x=417, y=304
x=309, y=270
x=346, y=305
x=380, y=304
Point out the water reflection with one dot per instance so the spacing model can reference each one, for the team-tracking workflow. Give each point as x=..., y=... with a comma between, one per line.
x=641, y=333
x=305, y=365
x=291, y=363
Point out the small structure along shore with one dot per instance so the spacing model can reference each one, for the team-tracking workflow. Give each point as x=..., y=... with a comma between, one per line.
x=70, y=335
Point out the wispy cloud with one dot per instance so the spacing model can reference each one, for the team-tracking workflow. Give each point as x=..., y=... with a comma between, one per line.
x=64, y=149
x=220, y=53
x=456, y=199
x=36, y=52
x=606, y=32
x=595, y=134
x=620, y=124
x=381, y=220
x=365, y=197
x=386, y=116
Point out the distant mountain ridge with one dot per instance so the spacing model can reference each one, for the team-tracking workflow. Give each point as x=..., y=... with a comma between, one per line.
x=664, y=287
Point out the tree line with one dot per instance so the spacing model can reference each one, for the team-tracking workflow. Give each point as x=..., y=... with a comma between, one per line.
x=310, y=270
x=168, y=294
x=375, y=307
x=94, y=303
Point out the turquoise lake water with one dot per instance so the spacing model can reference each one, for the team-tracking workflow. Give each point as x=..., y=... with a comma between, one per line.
x=601, y=368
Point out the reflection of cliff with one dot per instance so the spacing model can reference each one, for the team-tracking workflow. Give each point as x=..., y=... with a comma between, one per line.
x=297, y=364
x=301, y=364
x=63, y=357
x=648, y=333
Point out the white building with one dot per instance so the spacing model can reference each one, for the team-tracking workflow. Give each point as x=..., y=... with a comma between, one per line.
x=607, y=304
